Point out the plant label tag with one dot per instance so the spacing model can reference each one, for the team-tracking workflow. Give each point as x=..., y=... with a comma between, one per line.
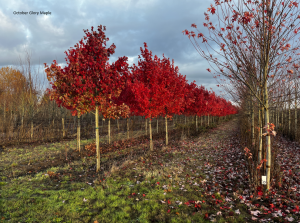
x=263, y=180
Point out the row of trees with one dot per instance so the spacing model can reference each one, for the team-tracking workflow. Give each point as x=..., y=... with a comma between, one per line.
x=21, y=96
x=152, y=88
x=254, y=40
x=14, y=92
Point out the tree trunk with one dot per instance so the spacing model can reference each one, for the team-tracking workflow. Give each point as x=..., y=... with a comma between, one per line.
x=22, y=123
x=151, y=141
x=196, y=123
x=4, y=111
x=102, y=124
x=53, y=128
x=173, y=122
x=118, y=125
x=268, y=138
x=281, y=124
x=127, y=128
x=109, y=131
x=276, y=115
x=146, y=125
x=252, y=121
x=208, y=120
x=289, y=131
x=166, y=129
x=63, y=127
x=157, y=124
x=97, y=139
x=74, y=123
x=260, y=134
x=78, y=132
x=296, y=113
x=91, y=119
x=31, y=134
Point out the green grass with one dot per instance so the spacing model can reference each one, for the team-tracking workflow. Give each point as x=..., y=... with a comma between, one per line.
x=152, y=187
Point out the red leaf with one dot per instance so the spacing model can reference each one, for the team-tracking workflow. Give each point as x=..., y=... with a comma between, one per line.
x=206, y=216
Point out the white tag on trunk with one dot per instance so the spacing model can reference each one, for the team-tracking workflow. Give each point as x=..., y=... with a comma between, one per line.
x=263, y=180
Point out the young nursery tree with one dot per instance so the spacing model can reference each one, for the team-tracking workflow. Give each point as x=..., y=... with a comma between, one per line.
x=135, y=95
x=115, y=108
x=174, y=89
x=149, y=92
x=64, y=90
x=89, y=82
x=262, y=28
x=28, y=105
x=189, y=99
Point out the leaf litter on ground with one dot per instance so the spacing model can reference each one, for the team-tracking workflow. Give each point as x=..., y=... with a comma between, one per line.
x=206, y=174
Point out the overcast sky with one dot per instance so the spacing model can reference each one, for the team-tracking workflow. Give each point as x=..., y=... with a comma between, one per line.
x=129, y=23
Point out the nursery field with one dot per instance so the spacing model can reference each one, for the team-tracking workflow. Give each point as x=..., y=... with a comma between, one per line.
x=193, y=179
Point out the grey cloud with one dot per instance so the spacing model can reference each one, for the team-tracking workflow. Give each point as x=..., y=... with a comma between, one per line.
x=128, y=25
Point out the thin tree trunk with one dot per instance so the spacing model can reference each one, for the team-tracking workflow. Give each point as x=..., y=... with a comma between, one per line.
x=63, y=126
x=268, y=138
x=118, y=125
x=4, y=111
x=53, y=128
x=208, y=120
x=97, y=139
x=150, y=129
x=252, y=121
x=260, y=134
x=78, y=132
x=91, y=120
x=276, y=117
x=146, y=125
x=289, y=131
x=282, y=119
x=127, y=128
x=296, y=113
x=173, y=122
x=109, y=131
x=22, y=123
x=166, y=129
x=102, y=124
x=31, y=133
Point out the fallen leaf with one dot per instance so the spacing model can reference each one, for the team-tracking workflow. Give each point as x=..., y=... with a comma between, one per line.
x=237, y=211
x=290, y=219
x=255, y=213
